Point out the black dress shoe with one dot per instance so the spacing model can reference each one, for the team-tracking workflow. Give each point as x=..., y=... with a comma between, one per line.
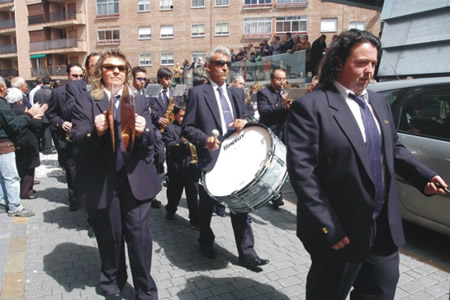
x=170, y=217
x=277, y=203
x=156, y=203
x=29, y=197
x=208, y=251
x=74, y=206
x=113, y=297
x=253, y=263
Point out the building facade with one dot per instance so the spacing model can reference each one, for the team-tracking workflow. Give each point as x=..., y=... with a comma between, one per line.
x=40, y=37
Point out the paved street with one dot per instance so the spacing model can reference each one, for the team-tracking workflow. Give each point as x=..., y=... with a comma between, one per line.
x=50, y=256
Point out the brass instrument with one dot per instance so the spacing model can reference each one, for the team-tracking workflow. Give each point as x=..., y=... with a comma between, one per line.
x=193, y=153
x=168, y=115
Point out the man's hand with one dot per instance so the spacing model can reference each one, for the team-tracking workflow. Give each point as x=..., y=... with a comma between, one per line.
x=66, y=126
x=163, y=122
x=341, y=244
x=101, y=123
x=286, y=102
x=212, y=143
x=140, y=125
x=37, y=110
x=238, y=124
x=431, y=188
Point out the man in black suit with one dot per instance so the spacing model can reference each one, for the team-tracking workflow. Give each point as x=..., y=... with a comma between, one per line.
x=319, y=46
x=42, y=96
x=214, y=106
x=182, y=169
x=61, y=131
x=273, y=108
x=117, y=182
x=343, y=156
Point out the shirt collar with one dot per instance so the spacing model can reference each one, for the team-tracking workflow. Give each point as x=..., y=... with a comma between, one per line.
x=345, y=91
x=108, y=92
x=215, y=86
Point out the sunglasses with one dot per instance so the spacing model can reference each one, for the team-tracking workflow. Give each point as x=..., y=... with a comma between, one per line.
x=111, y=67
x=222, y=63
x=141, y=78
x=76, y=76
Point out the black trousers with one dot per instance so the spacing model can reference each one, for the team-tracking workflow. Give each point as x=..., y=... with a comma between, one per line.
x=26, y=182
x=243, y=233
x=45, y=137
x=125, y=219
x=186, y=179
x=373, y=279
x=67, y=157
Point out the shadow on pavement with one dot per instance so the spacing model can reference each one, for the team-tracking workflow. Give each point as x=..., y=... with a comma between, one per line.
x=228, y=288
x=57, y=195
x=73, y=266
x=66, y=219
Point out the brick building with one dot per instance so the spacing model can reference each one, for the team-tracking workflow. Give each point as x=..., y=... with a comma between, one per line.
x=42, y=36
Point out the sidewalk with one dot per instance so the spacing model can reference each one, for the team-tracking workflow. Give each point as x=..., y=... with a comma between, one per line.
x=50, y=256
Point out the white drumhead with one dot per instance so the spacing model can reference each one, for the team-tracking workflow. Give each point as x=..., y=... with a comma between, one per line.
x=241, y=157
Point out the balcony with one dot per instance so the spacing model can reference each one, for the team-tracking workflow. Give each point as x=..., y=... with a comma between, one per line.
x=257, y=5
x=6, y=1
x=6, y=73
x=50, y=71
x=53, y=44
x=291, y=3
x=9, y=23
x=58, y=16
x=6, y=49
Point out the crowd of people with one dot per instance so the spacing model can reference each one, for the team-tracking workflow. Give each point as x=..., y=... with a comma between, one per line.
x=118, y=143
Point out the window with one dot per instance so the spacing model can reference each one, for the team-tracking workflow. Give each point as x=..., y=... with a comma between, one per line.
x=165, y=4
x=107, y=7
x=108, y=36
x=222, y=2
x=145, y=33
x=198, y=3
x=291, y=24
x=222, y=29
x=166, y=32
x=198, y=30
x=357, y=25
x=144, y=5
x=257, y=3
x=166, y=59
x=328, y=25
x=257, y=26
x=145, y=59
x=201, y=55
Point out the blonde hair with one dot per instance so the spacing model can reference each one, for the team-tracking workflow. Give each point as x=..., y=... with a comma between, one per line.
x=96, y=80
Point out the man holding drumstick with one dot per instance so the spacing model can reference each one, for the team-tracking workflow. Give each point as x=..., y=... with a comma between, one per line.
x=214, y=107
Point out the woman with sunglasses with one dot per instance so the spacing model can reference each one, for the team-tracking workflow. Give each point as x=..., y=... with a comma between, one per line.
x=117, y=184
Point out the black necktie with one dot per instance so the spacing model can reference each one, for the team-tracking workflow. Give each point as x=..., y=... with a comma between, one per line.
x=227, y=115
x=373, y=143
x=119, y=157
x=166, y=98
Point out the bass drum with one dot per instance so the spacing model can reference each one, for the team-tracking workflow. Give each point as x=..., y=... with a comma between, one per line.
x=250, y=170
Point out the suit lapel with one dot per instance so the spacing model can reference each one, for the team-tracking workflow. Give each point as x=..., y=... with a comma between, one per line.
x=347, y=123
x=102, y=105
x=210, y=99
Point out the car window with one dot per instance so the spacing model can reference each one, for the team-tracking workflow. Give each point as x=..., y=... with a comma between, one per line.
x=391, y=95
x=427, y=112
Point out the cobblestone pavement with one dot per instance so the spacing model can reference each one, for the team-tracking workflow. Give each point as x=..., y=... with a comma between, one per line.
x=50, y=256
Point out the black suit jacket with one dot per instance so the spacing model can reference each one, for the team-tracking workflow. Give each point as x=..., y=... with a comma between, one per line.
x=74, y=88
x=55, y=114
x=272, y=112
x=330, y=172
x=202, y=116
x=159, y=106
x=177, y=152
x=97, y=161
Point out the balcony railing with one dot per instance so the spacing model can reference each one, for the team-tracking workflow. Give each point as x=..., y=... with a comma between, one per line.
x=10, y=23
x=294, y=65
x=292, y=3
x=53, y=44
x=11, y=72
x=56, y=16
x=5, y=49
x=51, y=71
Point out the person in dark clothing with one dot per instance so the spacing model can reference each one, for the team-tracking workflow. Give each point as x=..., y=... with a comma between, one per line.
x=27, y=146
x=43, y=96
x=182, y=169
x=317, y=49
